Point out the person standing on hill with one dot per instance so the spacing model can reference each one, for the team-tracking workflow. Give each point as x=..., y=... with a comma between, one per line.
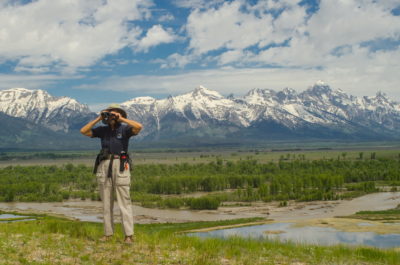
x=112, y=167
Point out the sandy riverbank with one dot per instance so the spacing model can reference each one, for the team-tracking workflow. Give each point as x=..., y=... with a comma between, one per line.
x=92, y=211
x=318, y=209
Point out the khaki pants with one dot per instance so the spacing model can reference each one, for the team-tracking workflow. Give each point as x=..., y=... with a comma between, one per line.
x=118, y=184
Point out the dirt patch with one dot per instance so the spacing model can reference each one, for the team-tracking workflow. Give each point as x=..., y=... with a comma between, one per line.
x=208, y=229
x=352, y=225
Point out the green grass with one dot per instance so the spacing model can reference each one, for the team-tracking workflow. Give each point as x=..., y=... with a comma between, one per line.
x=385, y=215
x=53, y=240
x=391, y=211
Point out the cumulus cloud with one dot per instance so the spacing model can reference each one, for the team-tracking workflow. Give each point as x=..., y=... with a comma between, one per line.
x=227, y=27
x=232, y=28
x=73, y=34
x=359, y=21
x=339, y=42
x=155, y=36
x=290, y=37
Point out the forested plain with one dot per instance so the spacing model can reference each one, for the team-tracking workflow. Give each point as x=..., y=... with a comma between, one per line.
x=292, y=177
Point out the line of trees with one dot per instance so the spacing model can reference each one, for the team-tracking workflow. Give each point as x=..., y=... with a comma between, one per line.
x=243, y=180
x=306, y=180
x=46, y=183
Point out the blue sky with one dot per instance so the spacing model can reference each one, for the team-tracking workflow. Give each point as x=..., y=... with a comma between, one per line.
x=100, y=51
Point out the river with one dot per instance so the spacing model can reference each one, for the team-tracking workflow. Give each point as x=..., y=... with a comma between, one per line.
x=92, y=210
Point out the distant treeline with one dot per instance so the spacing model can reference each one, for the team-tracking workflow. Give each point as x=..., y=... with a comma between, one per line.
x=243, y=180
x=46, y=183
x=39, y=155
x=286, y=180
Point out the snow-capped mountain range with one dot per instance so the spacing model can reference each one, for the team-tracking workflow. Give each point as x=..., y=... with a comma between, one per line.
x=318, y=107
x=262, y=114
x=38, y=106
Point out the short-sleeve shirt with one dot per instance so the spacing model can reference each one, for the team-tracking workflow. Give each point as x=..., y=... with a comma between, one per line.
x=116, y=140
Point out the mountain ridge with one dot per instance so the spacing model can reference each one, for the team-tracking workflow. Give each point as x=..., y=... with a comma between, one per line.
x=38, y=106
x=318, y=106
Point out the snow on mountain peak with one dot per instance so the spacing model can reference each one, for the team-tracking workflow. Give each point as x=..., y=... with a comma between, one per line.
x=381, y=94
x=41, y=107
x=259, y=96
x=260, y=92
x=203, y=91
x=381, y=100
x=287, y=94
x=320, y=83
x=139, y=100
x=21, y=89
x=319, y=89
x=288, y=90
x=202, y=107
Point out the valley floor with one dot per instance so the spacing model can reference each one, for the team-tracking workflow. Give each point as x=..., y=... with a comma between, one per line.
x=92, y=210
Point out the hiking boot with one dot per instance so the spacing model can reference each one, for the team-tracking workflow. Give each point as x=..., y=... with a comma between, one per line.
x=105, y=238
x=128, y=240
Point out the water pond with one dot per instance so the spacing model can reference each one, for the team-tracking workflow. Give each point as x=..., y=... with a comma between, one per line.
x=8, y=218
x=308, y=235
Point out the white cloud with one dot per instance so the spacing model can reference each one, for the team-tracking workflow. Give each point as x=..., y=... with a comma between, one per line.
x=272, y=5
x=227, y=27
x=342, y=22
x=176, y=60
x=155, y=36
x=71, y=33
x=313, y=44
x=32, y=69
x=239, y=81
x=196, y=3
x=237, y=26
x=329, y=44
x=166, y=17
x=38, y=81
x=230, y=56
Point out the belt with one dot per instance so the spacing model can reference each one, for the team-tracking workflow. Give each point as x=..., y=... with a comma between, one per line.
x=112, y=157
x=124, y=159
x=105, y=155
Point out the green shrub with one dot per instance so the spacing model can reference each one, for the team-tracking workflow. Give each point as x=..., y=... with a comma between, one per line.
x=174, y=203
x=205, y=202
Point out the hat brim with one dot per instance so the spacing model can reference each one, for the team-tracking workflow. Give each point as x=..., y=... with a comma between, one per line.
x=119, y=110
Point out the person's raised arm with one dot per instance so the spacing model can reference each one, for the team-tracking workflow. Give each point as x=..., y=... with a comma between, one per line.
x=87, y=129
x=136, y=126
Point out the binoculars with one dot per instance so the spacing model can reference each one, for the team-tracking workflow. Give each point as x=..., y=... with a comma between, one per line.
x=107, y=116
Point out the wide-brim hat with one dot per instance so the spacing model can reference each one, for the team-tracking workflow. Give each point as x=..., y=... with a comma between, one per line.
x=117, y=108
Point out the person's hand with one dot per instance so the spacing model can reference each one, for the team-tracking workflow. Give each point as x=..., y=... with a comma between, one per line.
x=101, y=117
x=117, y=115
